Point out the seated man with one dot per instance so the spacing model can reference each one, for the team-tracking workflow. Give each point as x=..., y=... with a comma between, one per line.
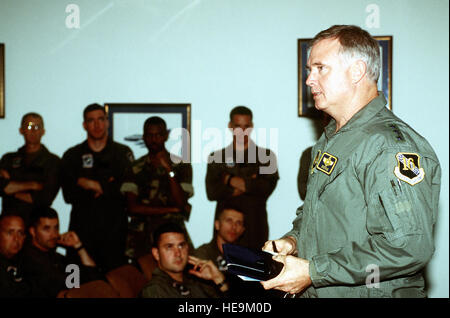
x=12, y=236
x=41, y=261
x=229, y=227
x=170, y=279
x=158, y=190
x=29, y=176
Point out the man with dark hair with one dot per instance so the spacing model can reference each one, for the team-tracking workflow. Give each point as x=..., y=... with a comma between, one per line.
x=43, y=264
x=170, y=279
x=12, y=281
x=30, y=176
x=246, y=173
x=158, y=191
x=92, y=173
x=366, y=226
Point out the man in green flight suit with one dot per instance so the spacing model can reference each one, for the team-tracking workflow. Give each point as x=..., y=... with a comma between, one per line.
x=366, y=226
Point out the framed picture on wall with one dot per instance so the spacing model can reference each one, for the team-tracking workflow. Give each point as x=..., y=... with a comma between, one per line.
x=305, y=100
x=127, y=122
x=2, y=80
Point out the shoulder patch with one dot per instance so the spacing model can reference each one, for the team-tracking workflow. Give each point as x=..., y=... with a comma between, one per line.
x=408, y=168
x=327, y=163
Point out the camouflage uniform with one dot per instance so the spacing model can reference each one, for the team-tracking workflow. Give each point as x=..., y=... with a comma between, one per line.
x=151, y=185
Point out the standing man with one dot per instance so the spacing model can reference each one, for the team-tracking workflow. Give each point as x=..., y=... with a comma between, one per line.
x=247, y=174
x=92, y=173
x=158, y=191
x=30, y=176
x=366, y=226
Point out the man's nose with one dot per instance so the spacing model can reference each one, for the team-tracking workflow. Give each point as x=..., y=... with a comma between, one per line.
x=310, y=80
x=18, y=237
x=178, y=251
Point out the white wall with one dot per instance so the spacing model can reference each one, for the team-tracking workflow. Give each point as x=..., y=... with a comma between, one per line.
x=216, y=54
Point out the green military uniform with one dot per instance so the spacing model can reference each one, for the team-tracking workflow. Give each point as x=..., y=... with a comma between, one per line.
x=210, y=251
x=151, y=185
x=259, y=170
x=366, y=224
x=41, y=166
x=163, y=286
x=100, y=222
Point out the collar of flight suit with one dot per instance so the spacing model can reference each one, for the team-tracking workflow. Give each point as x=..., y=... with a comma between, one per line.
x=361, y=117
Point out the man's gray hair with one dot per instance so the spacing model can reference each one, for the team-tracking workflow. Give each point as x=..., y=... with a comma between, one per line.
x=356, y=43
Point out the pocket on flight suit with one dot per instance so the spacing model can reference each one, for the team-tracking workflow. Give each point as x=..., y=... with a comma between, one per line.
x=400, y=213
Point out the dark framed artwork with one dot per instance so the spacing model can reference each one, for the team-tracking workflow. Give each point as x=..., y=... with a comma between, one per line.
x=127, y=121
x=305, y=100
x=2, y=80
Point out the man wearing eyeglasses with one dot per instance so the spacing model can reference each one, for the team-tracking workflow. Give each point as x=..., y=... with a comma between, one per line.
x=29, y=176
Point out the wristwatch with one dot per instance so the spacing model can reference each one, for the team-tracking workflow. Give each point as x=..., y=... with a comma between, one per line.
x=171, y=174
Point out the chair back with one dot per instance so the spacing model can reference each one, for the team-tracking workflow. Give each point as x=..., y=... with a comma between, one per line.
x=147, y=264
x=126, y=280
x=93, y=289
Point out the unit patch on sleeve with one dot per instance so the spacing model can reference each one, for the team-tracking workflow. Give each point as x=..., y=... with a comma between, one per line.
x=408, y=168
x=327, y=163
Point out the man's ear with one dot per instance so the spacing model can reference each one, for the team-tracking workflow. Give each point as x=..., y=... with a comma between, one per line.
x=166, y=135
x=357, y=71
x=216, y=225
x=155, y=254
x=32, y=231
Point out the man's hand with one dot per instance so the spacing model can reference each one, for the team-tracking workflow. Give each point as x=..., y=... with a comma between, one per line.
x=70, y=239
x=4, y=174
x=162, y=158
x=284, y=246
x=236, y=192
x=24, y=196
x=22, y=186
x=90, y=185
x=205, y=269
x=293, y=278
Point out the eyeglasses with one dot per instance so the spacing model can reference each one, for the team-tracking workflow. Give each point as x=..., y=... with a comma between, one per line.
x=32, y=126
